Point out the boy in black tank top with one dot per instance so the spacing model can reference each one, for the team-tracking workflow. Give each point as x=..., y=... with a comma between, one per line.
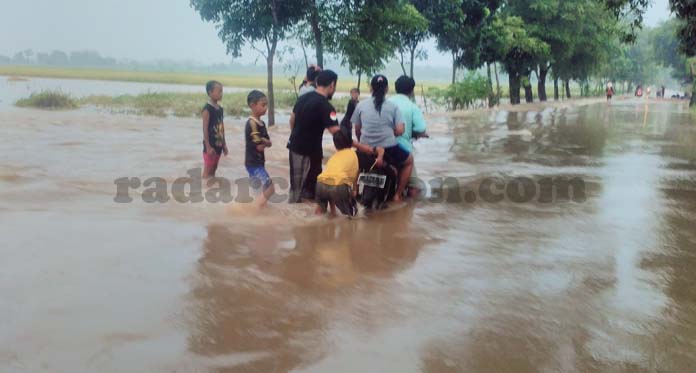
x=213, y=129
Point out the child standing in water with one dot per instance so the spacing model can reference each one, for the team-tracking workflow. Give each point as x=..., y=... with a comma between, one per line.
x=213, y=129
x=257, y=140
x=337, y=186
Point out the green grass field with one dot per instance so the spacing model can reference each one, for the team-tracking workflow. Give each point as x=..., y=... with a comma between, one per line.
x=280, y=81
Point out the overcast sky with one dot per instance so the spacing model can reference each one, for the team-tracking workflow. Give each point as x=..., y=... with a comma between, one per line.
x=139, y=29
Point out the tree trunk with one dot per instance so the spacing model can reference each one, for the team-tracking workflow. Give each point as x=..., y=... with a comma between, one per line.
x=555, y=88
x=401, y=62
x=454, y=68
x=497, y=82
x=304, y=53
x=528, y=94
x=316, y=30
x=541, y=84
x=491, y=95
x=359, y=78
x=692, y=102
x=413, y=60
x=271, y=96
x=514, y=82
x=567, y=88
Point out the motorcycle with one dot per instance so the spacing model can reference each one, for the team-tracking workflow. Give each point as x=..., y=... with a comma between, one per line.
x=377, y=185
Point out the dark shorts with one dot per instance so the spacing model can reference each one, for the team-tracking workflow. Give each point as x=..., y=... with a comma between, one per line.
x=341, y=196
x=304, y=170
x=396, y=155
x=259, y=178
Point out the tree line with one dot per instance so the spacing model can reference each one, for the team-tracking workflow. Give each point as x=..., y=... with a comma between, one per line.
x=559, y=40
x=59, y=58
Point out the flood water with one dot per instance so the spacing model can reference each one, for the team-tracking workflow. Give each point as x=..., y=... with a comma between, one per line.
x=599, y=283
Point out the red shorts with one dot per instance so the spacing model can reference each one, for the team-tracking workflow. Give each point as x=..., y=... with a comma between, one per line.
x=211, y=161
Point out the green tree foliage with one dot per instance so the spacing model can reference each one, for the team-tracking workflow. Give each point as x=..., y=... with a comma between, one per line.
x=577, y=33
x=414, y=31
x=257, y=23
x=630, y=11
x=685, y=10
x=369, y=32
x=457, y=26
x=519, y=51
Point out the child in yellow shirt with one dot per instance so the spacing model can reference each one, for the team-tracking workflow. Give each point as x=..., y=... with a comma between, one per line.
x=338, y=184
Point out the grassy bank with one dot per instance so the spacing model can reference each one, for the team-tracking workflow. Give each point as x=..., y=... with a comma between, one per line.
x=185, y=104
x=48, y=100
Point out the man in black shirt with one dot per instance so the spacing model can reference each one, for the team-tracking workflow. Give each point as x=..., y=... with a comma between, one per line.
x=311, y=115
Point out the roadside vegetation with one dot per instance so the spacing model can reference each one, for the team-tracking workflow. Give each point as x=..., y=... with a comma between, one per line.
x=49, y=100
x=160, y=104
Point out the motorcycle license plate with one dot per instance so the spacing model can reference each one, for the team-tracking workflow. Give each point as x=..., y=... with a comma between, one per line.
x=372, y=180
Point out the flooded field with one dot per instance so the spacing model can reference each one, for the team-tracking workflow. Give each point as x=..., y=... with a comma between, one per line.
x=599, y=283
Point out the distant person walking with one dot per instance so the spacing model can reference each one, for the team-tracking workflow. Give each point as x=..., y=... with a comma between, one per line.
x=610, y=91
x=310, y=84
x=350, y=109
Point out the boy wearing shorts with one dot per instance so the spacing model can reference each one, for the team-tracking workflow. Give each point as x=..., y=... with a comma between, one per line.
x=213, y=129
x=257, y=140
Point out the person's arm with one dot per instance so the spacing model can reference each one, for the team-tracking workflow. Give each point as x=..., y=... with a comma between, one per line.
x=292, y=121
x=363, y=148
x=224, y=141
x=419, y=126
x=399, y=130
x=377, y=151
x=328, y=121
x=255, y=136
x=399, y=126
x=206, y=120
x=379, y=161
x=334, y=129
x=357, y=124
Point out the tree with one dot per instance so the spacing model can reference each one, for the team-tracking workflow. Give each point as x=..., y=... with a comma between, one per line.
x=257, y=23
x=518, y=50
x=413, y=34
x=685, y=10
x=315, y=26
x=368, y=33
x=23, y=57
x=59, y=58
x=570, y=42
x=628, y=10
x=456, y=25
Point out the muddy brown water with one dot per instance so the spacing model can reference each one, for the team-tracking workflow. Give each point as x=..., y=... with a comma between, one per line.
x=601, y=284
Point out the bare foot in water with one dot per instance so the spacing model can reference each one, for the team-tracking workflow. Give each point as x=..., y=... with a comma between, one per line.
x=397, y=199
